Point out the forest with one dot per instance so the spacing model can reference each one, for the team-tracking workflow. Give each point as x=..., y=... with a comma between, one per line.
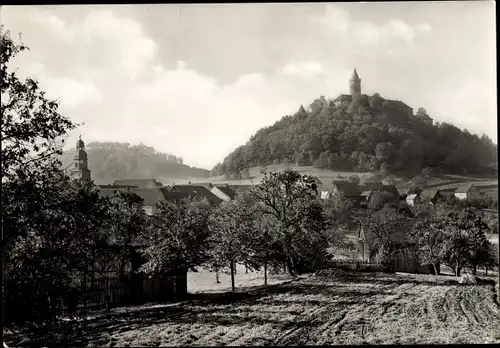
x=367, y=135
x=111, y=161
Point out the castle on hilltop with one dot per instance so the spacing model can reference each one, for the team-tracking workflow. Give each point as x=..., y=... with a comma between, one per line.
x=354, y=99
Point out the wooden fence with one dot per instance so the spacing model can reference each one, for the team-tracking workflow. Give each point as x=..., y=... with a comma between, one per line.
x=109, y=290
x=360, y=266
x=397, y=265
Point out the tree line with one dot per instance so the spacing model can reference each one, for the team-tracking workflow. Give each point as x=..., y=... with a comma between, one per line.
x=370, y=137
x=114, y=160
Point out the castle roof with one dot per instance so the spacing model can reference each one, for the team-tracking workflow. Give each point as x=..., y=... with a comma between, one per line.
x=355, y=76
x=423, y=116
x=343, y=98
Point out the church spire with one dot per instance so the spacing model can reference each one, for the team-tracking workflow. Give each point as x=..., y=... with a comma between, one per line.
x=80, y=169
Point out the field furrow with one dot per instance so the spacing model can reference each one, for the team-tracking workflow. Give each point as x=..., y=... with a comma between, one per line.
x=336, y=308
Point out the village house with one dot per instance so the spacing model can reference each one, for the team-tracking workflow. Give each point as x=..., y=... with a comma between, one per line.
x=198, y=191
x=224, y=192
x=433, y=196
x=319, y=185
x=367, y=195
x=369, y=189
x=405, y=258
x=413, y=199
x=150, y=182
x=467, y=191
x=347, y=191
x=447, y=193
x=372, y=185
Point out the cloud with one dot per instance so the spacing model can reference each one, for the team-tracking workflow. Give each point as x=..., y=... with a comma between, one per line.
x=109, y=72
x=101, y=41
x=335, y=18
x=337, y=21
x=469, y=105
x=306, y=69
x=71, y=92
x=424, y=28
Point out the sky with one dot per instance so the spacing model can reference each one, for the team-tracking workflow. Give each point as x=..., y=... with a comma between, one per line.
x=197, y=80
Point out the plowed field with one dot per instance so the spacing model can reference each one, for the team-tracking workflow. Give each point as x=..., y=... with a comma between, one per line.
x=333, y=307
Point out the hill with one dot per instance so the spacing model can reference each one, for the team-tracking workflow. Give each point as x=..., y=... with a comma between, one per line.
x=368, y=134
x=109, y=161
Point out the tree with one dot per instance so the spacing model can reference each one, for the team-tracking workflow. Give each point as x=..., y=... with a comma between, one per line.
x=429, y=237
x=477, y=242
x=354, y=179
x=266, y=246
x=57, y=227
x=384, y=151
x=51, y=223
x=128, y=222
x=464, y=240
x=232, y=228
x=416, y=184
x=177, y=240
x=288, y=197
x=381, y=229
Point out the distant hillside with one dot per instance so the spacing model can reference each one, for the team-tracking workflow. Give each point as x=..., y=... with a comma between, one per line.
x=110, y=161
x=369, y=134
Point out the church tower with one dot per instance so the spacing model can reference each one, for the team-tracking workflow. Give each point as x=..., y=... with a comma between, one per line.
x=355, y=84
x=80, y=168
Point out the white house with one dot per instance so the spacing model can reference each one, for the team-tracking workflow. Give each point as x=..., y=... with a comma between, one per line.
x=467, y=191
x=325, y=194
x=413, y=199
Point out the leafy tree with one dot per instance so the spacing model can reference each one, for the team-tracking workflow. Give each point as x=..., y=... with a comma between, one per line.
x=265, y=245
x=464, y=239
x=50, y=223
x=232, y=227
x=477, y=242
x=288, y=197
x=128, y=222
x=381, y=228
x=178, y=238
x=56, y=228
x=31, y=125
x=354, y=179
x=429, y=237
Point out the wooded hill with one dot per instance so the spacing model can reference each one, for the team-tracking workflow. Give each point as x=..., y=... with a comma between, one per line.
x=110, y=161
x=367, y=135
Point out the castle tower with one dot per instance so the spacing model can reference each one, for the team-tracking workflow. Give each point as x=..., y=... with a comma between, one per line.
x=355, y=84
x=80, y=168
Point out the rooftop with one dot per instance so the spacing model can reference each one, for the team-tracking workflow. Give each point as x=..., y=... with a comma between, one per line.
x=150, y=182
x=348, y=189
x=355, y=76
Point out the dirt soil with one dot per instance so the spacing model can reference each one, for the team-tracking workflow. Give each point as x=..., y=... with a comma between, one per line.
x=331, y=307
